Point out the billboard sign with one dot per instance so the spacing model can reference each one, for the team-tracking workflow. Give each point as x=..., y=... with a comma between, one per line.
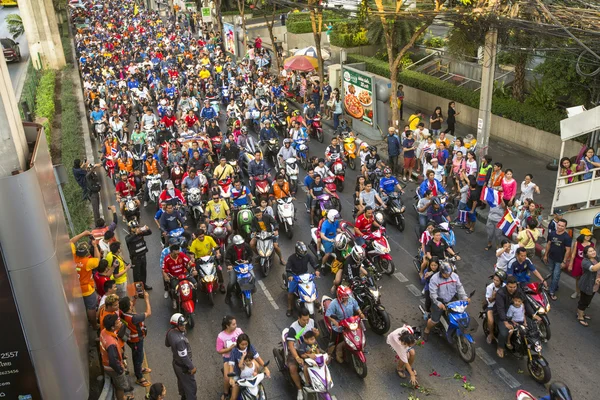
x=229, y=38
x=358, y=95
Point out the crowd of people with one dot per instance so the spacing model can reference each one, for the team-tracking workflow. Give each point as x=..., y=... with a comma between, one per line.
x=158, y=91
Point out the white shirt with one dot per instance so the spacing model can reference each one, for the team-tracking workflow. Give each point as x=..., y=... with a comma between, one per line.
x=471, y=167
x=517, y=314
x=439, y=172
x=502, y=261
x=323, y=171
x=489, y=290
x=527, y=190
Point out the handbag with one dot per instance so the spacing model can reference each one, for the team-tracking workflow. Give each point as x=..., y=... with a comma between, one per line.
x=330, y=103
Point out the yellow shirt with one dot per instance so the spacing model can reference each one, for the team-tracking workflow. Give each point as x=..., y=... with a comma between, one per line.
x=204, y=74
x=413, y=121
x=223, y=172
x=526, y=240
x=119, y=265
x=203, y=248
x=217, y=210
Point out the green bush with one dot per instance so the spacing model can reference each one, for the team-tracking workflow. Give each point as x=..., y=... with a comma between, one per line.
x=348, y=34
x=44, y=100
x=524, y=113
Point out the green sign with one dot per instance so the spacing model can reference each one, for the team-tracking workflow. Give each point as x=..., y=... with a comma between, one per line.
x=358, y=95
x=206, y=12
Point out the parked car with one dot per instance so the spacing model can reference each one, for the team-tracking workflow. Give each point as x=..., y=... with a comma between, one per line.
x=11, y=50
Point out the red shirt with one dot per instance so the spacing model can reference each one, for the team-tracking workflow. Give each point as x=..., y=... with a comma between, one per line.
x=191, y=120
x=123, y=190
x=169, y=122
x=364, y=224
x=100, y=280
x=176, y=267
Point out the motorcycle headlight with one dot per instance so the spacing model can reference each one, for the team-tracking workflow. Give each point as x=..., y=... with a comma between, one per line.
x=309, y=299
x=381, y=248
x=541, y=310
x=349, y=343
x=375, y=293
x=261, y=252
x=402, y=209
x=538, y=348
x=208, y=278
x=185, y=290
x=548, y=308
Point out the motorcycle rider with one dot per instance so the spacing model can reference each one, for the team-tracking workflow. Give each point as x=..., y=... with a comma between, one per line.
x=264, y=222
x=257, y=167
x=342, y=307
x=333, y=152
x=136, y=244
x=217, y=209
x=182, y=358
x=371, y=161
x=230, y=150
x=266, y=133
x=97, y=116
x=207, y=112
x=490, y=296
x=436, y=187
x=281, y=189
x=364, y=225
x=294, y=339
x=437, y=247
x=125, y=187
x=558, y=391
x=521, y=268
x=224, y=170
x=369, y=198
x=389, y=183
x=191, y=181
x=437, y=213
x=171, y=219
x=445, y=285
x=297, y=264
x=327, y=232
x=352, y=266
x=149, y=119
x=238, y=250
x=175, y=264
x=125, y=160
x=171, y=194
x=204, y=245
x=212, y=129
x=286, y=151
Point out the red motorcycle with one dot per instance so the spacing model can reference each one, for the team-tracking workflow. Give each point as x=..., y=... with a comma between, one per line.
x=316, y=129
x=537, y=296
x=177, y=175
x=225, y=188
x=339, y=170
x=262, y=188
x=378, y=250
x=207, y=274
x=184, y=293
x=109, y=167
x=216, y=145
x=330, y=184
x=354, y=338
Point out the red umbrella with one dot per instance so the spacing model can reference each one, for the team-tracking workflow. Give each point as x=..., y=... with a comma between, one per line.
x=300, y=63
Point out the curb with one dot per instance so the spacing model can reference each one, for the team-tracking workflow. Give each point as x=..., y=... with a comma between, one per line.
x=107, y=390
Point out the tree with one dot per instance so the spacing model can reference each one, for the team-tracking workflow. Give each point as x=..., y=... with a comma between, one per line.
x=316, y=18
x=241, y=4
x=270, y=21
x=15, y=25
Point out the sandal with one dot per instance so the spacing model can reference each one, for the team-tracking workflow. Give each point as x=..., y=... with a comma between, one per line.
x=143, y=382
x=469, y=231
x=224, y=396
x=487, y=248
x=587, y=317
x=288, y=313
x=553, y=297
x=500, y=353
x=583, y=322
x=401, y=373
x=146, y=370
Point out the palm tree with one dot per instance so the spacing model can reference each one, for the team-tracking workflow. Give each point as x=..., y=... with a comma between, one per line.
x=15, y=25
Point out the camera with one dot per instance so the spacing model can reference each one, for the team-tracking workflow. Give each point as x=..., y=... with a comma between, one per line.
x=139, y=289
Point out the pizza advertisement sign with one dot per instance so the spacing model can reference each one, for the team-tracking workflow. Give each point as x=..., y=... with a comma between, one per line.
x=358, y=95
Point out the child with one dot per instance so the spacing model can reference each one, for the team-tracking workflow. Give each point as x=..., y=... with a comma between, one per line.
x=516, y=312
x=432, y=269
x=309, y=348
x=248, y=365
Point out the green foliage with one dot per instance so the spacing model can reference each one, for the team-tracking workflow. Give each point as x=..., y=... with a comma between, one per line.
x=435, y=42
x=541, y=95
x=527, y=114
x=402, y=31
x=465, y=37
x=15, y=25
x=44, y=100
x=348, y=34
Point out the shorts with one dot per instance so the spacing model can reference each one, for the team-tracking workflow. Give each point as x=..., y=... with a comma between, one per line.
x=471, y=217
x=410, y=162
x=91, y=301
x=327, y=246
x=436, y=313
x=120, y=382
x=292, y=286
x=530, y=253
x=292, y=361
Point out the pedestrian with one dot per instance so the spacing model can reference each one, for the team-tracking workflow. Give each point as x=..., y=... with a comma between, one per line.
x=402, y=340
x=282, y=19
x=579, y=245
x=80, y=173
x=137, y=333
x=85, y=263
x=408, y=149
x=509, y=188
x=588, y=284
x=435, y=121
x=315, y=96
x=115, y=260
x=136, y=244
x=400, y=100
x=394, y=149
x=112, y=356
x=336, y=107
x=158, y=391
x=528, y=188
x=528, y=237
x=93, y=186
x=558, y=252
x=182, y=357
x=494, y=235
x=326, y=96
x=225, y=343
x=414, y=120
x=451, y=120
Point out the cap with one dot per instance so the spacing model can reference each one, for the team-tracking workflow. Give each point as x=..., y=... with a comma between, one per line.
x=585, y=232
x=558, y=211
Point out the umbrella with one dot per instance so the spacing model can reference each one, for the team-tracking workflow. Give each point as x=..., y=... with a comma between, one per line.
x=301, y=63
x=311, y=51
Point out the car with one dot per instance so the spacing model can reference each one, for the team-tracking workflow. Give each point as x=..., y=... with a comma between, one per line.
x=11, y=49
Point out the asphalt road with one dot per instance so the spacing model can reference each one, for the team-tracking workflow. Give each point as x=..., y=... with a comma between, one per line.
x=15, y=69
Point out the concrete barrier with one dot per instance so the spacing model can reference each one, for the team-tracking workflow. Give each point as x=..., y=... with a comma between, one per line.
x=108, y=392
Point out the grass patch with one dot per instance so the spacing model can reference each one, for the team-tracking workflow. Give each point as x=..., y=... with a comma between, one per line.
x=44, y=100
x=72, y=146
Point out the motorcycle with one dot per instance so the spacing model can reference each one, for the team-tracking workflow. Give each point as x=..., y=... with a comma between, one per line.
x=354, y=338
x=139, y=154
x=225, y=188
x=265, y=250
x=207, y=274
x=350, y=151
x=130, y=211
x=109, y=167
x=368, y=297
x=316, y=130
x=99, y=130
x=280, y=123
x=301, y=147
x=245, y=285
x=154, y=186
x=457, y=326
x=292, y=171
x=537, y=296
x=184, y=296
x=306, y=292
x=177, y=175
x=177, y=235
x=447, y=233
x=251, y=388
x=194, y=201
x=339, y=170
x=271, y=149
x=219, y=234
x=527, y=343
x=378, y=251
x=262, y=188
x=216, y=145
x=244, y=221
x=320, y=379
x=394, y=211
x=286, y=215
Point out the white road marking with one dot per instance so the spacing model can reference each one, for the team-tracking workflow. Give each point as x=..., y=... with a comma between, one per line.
x=414, y=290
x=485, y=357
x=507, y=378
x=400, y=276
x=422, y=301
x=268, y=294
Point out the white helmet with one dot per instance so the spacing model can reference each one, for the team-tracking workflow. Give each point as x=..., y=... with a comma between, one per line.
x=332, y=215
x=237, y=240
x=177, y=319
x=341, y=241
x=358, y=253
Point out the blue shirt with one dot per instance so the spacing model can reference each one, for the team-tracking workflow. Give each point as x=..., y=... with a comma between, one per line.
x=388, y=184
x=342, y=311
x=133, y=84
x=589, y=165
x=240, y=197
x=521, y=271
x=97, y=115
x=329, y=229
x=208, y=113
x=236, y=355
x=308, y=181
x=394, y=146
x=165, y=252
x=170, y=91
x=267, y=133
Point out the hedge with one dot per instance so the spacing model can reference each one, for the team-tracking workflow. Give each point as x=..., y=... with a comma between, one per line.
x=535, y=116
x=299, y=22
x=44, y=100
x=348, y=34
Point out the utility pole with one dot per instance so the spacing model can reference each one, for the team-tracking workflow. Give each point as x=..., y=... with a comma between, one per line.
x=487, y=90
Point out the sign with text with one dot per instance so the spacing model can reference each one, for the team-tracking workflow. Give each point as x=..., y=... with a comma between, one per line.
x=358, y=95
x=17, y=376
x=206, y=14
x=229, y=38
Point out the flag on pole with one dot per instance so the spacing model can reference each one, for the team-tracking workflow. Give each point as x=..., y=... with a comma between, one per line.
x=135, y=10
x=508, y=224
x=490, y=196
x=462, y=216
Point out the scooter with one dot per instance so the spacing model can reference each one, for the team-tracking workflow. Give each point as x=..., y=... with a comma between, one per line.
x=292, y=171
x=245, y=286
x=378, y=251
x=526, y=342
x=262, y=188
x=301, y=147
x=525, y=395
x=316, y=130
x=207, y=274
x=271, y=150
x=354, y=338
x=184, y=295
x=320, y=379
x=177, y=234
x=286, y=215
x=339, y=170
x=216, y=145
x=368, y=297
x=130, y=211
x=280, y=123
x=176, y=175
x=194, y=201
x=244, y=222
x=394, y=211
x=154, y=185
x=225, y=188
x=219, y=233
x=99, y=129
x=265, y=249
x=537, y=296
x=350, y=150
x=139, y=154
x=306, y=292
x=330, y=184
x=251, y=388
x=457, y=326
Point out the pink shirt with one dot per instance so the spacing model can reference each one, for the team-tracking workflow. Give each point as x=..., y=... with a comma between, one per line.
x=226, y=340
x=457, y=166
x=509, y=189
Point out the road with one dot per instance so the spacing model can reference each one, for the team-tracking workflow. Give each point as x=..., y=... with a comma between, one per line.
x=17, y=70
x=571, y=351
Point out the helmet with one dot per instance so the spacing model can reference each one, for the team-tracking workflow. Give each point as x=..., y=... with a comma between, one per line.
x=372, y=148
x=341, y=241
x=133, y=224
x=559, y=391
x=435, y=201
x=445, y=267
x=500, y=274
x=178, y=320
x=123, y=173
x=301, y=249
x=343, y=291
x=295, y=113
x=237, y=240
x=287, y=141
x=244, y=129
x=83, y=250
x=358, y=253
x=332, y=215
x=386, y=171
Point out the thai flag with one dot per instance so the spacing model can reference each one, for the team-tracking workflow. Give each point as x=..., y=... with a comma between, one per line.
x=462, y=216
x=490, y=196
x=507, y=224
